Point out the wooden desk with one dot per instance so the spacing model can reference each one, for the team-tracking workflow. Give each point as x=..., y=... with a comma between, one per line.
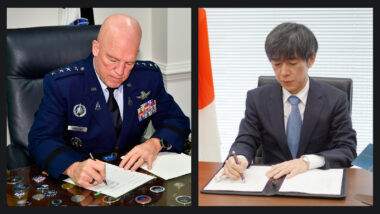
x=173, y=188
x=359, y=181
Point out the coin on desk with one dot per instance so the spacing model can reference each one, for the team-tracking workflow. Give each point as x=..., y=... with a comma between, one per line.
x=183, y=199
x=77, y=198
x=38, y=197
x=39, y=178
x=51, y=193
x=21, y=203
x=21, y=186
x=143, y=199
x=67, y=186
x=19, y=193
x=56, y=202
x=110, y=200
x=157, y=189
x=179, y=185
x=45, y=186
x=14, y=179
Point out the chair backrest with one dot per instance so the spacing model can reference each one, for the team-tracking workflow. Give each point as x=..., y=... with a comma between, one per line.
x=344, y=84
x=31, y=53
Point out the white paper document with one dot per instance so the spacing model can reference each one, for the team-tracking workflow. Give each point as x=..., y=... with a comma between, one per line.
x=170, y=165
x=119, y=181
x=255, y=181
x=316, y=181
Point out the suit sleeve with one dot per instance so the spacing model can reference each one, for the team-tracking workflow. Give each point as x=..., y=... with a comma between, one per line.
x=169, y=121
x=342, y=146
x=248, y=138
x=46, y=143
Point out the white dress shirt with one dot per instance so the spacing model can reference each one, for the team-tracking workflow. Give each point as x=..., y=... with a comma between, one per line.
x=118, y=94
x=315, y=161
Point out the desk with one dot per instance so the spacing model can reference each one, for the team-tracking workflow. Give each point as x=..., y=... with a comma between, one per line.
x=359, y=181
x=173, y=188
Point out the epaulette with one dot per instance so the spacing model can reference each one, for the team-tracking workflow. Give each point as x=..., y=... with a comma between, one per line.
x=67, y=71
x=149, y=65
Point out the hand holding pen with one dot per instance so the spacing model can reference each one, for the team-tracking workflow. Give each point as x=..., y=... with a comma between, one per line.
x=234, y=167
x=238, y=163
x=92, y=158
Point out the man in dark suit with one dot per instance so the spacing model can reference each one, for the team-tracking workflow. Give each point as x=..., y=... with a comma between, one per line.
x=301, y=124
x=102, y=105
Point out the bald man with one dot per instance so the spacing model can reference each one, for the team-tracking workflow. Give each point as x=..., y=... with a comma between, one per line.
x=101, y=106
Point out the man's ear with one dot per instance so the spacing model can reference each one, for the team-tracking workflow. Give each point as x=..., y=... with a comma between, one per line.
x=95, y=47
x=310, y=61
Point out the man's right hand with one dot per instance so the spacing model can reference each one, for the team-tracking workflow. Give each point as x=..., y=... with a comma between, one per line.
x=87, y=173
x=233, y=170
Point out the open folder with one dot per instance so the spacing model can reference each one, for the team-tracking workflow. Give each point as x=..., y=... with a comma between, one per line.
x=313, y=183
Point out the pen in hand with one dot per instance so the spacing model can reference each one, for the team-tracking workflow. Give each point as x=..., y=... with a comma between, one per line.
x=238, y=163
x=92, y=158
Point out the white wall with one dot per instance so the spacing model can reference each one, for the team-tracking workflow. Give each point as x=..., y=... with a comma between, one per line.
x=166, y=40
x=143, y=15
x=32, y=17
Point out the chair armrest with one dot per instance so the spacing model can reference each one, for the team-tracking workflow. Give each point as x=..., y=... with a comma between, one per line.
x=17, y=156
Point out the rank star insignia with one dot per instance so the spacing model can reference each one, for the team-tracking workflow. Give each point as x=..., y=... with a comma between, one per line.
x=143, y=95
x=79, y=110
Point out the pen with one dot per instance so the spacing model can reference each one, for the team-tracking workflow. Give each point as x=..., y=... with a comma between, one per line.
x=237, y=162
x=92, y=158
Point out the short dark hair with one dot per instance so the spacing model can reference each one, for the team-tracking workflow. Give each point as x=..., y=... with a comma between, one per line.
x=290, y=40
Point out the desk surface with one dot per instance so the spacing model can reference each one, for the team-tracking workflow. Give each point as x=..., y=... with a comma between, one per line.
x=173, y=188
x=359, y=181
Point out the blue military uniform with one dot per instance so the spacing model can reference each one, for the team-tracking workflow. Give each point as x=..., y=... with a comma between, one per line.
x=73, y=119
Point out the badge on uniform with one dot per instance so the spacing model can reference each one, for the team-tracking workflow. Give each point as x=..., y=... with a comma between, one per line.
x=147, y=109
x=77, y=128
x=77, y=142
x=79, y=110
x=143, y=95
x=97, y=106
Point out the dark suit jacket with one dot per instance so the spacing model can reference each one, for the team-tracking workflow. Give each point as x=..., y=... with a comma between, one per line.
x=55, y=146
x=326, y=129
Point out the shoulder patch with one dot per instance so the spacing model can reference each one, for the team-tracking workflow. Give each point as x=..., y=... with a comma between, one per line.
x=67, y=71
x=149, y=65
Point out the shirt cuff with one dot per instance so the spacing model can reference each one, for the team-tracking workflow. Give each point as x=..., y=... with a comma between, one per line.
x=315, y=161
x=243, y=157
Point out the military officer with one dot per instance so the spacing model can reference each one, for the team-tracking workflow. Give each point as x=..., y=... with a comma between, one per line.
x=102, y=105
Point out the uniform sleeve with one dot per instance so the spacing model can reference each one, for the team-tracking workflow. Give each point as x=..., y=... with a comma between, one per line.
x=169, y=122
x=46, y=143
x=342, y=147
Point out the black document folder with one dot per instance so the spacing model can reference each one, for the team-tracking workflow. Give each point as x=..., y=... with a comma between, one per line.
x=272, y=188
